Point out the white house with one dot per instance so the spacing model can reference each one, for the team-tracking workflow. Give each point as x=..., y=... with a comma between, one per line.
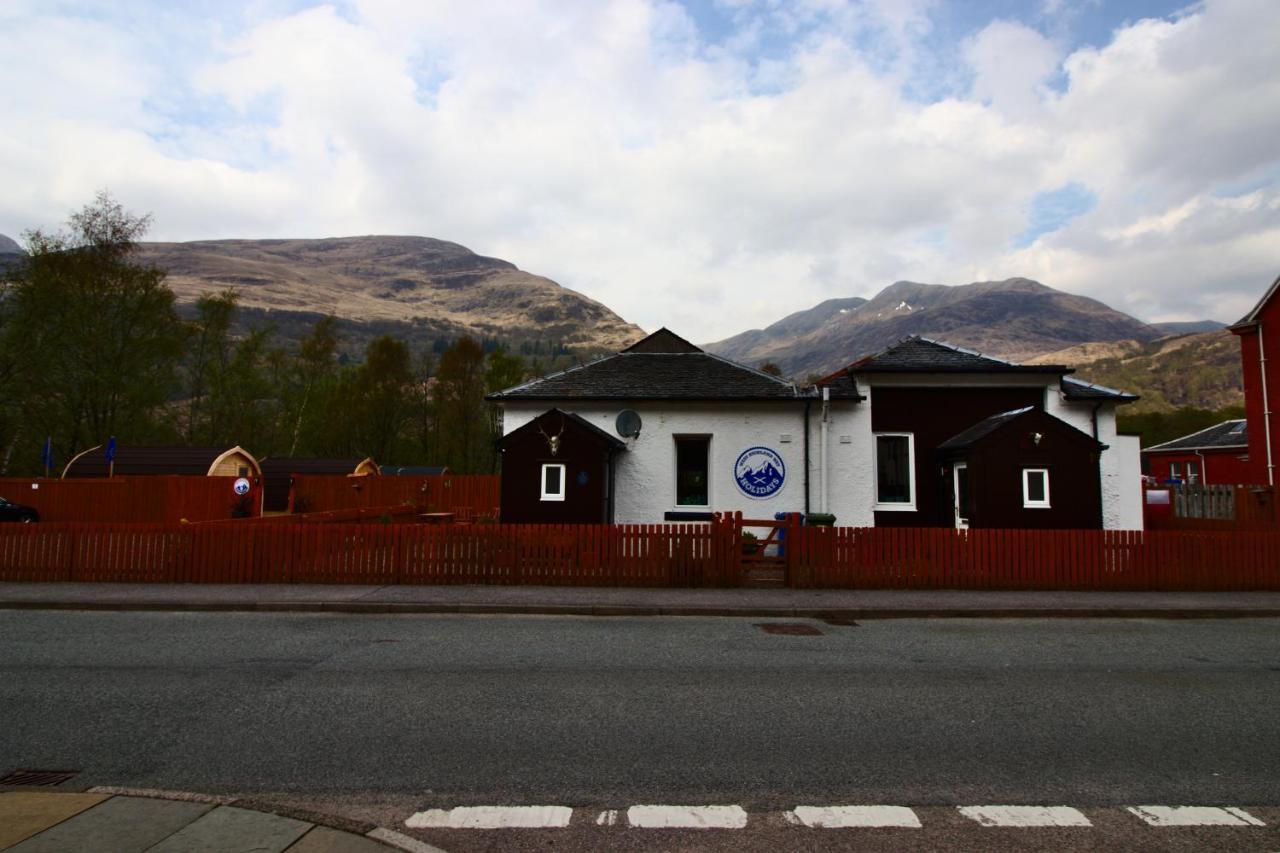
x=716, y=436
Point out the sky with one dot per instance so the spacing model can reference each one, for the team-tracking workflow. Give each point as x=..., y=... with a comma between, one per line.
x=709, y=166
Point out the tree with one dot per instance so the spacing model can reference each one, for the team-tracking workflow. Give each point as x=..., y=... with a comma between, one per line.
x=383, y=403
x=208, y=353
x=503, y=370
x=458, y=395
x=772, y=369
x=91, y=335
x=314, y=371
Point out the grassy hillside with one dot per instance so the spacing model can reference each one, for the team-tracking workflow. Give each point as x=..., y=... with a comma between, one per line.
x=1200, y=371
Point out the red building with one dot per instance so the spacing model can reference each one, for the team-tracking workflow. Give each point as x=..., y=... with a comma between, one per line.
x=1215, y=455
x=1259, y=333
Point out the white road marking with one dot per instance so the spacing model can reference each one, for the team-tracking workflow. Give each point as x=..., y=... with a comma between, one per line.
x=841, y=817
x=1025, y=816
x=400, y=841
x=687, y=817
x=492, y=817
x=607, y=818
x=1195, y=816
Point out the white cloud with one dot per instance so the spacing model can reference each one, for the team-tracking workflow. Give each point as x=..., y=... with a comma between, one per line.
x=1010, y=63
x=606, y=145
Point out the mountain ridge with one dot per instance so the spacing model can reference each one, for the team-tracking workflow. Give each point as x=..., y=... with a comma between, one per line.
x=438, y=285
x=1015, y=318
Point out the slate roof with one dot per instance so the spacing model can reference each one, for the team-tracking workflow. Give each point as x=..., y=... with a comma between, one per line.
x=1233, y=434
x=924, y=355
x=1252, y=317
x=983, y=428
x=604, y=437
x=663, y=366
x=843, y=386
x=1078, y=389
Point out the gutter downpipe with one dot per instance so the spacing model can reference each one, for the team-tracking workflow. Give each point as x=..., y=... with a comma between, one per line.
x=807, y=404
x=1204, y=469
x=822, y=451
x=1266, y=407
x=1102, y=489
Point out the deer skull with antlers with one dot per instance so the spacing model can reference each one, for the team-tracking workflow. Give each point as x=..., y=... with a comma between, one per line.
x=553, y=441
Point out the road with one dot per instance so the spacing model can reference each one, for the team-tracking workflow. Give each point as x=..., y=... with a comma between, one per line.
x=383, y=716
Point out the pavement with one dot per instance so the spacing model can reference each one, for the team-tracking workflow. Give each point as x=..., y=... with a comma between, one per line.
x=34, y=820
x=627, y=601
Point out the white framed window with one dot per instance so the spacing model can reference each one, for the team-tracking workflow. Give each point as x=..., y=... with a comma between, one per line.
x=1035, y=488
x=895, y=471
x=553, y=482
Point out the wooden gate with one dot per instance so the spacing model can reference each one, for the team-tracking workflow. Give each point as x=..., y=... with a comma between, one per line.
x=766, y=548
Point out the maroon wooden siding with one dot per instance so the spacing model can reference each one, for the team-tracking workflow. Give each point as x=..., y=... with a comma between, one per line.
x=934, y=415
x=996, y=463
x=1256, y=339
x=584, y=452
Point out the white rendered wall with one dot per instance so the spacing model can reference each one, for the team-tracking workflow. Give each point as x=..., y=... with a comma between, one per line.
x=645, y=474
x=850, y=465
x=1121, y=463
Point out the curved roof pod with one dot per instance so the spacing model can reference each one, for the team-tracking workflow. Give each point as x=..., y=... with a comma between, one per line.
x=133, y=460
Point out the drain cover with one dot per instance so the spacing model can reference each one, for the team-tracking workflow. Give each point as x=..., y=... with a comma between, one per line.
x=43, y=778
x=794, y=629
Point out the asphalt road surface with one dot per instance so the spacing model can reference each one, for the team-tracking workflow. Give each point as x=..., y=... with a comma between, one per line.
x=382, y=717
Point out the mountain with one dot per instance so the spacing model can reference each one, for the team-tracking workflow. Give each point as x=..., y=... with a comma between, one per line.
x=1015, y=319
x=1200, y=370
x=417, y=287
x=1190, y=327
x=9, y=246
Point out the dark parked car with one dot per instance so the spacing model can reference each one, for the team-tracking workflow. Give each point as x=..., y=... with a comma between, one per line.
x=17, y=512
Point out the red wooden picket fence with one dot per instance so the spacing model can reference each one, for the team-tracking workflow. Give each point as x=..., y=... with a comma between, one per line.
x=469, y=495
x=161, y=498
x=673, y=555
x=586, y=555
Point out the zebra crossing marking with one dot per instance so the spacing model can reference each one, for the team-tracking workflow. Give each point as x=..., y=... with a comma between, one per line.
x=1195, y=816
x=1025, y=816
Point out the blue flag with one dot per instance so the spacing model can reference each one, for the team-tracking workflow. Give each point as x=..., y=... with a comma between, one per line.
x=47, y=456
x=111, y=449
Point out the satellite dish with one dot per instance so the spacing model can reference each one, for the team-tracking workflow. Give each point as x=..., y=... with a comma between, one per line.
x=628, y=423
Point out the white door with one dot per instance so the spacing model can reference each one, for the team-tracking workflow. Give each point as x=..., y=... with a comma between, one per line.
x=960, y=493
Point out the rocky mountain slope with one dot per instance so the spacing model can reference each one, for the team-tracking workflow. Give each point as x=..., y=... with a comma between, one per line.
x=1189, y=327
x=9, y=246
x=1201, y=370
x=1016, y=319
x=398, y=284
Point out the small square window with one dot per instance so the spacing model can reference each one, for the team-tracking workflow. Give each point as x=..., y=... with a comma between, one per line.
x=1035, y=488
x=553, y=482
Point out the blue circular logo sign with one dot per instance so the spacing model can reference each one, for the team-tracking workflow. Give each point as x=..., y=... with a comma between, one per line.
x=759, y=472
